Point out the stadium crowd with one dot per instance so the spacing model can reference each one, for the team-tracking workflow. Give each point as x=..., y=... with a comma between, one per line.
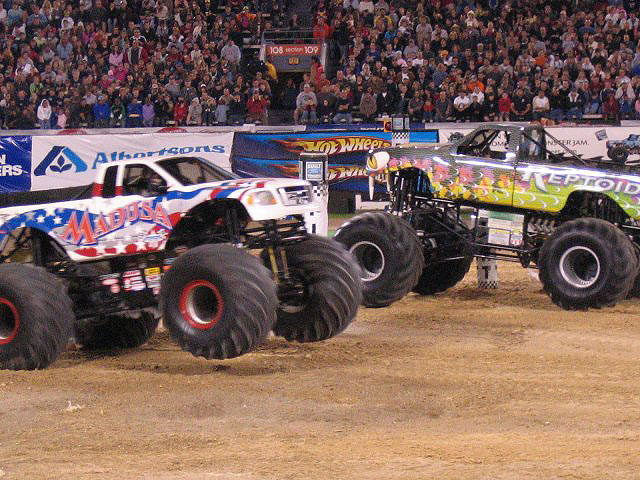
x=466, y=60
x=99, y=63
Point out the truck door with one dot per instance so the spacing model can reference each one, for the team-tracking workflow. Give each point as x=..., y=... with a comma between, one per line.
x=536, y=186
x=485, y=167
x=135, y=213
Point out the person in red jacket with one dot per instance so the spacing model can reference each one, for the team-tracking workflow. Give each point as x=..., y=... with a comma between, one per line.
x=180, y=111
x=257, y=108
x=322, y=30
x=504, y=107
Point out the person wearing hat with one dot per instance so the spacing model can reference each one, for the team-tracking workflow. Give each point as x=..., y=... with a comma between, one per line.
x=101, y=112
x=306, y=104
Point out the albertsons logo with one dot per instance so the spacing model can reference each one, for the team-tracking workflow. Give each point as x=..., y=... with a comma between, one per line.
x=60, y=160
x=63, y=159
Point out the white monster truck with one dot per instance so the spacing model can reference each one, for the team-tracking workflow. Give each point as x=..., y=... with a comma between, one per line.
x=89, y=262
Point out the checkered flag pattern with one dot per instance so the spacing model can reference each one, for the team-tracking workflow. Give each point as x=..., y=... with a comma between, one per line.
x=398, y=138
x=487, y=273
x=318, y=222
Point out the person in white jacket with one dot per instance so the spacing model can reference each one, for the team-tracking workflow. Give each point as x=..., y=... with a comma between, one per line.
x=44, y=114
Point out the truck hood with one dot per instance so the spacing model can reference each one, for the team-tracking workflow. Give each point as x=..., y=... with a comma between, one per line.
x=240, y=183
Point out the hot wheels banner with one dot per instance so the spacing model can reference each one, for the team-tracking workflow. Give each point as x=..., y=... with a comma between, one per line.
x=276, y=155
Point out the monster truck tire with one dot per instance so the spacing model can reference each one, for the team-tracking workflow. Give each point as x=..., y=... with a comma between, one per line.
x=388, y=252
x=36, y=317
x=328, y=292
x=128, y=330
x=634, y=292
x=618, y=154
x=440, y=276
x=587, y=263
x=218, y=301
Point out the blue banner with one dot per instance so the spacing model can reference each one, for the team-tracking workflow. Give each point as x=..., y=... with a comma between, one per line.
x=276, y=155
x=15, y=164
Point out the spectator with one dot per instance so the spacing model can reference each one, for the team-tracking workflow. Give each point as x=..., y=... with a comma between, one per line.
x=520, y=106
x=428, y=109
x=343, y=108
x=626, y=107
x=611, y=108
x=475, y=110
x=402, y=100
x=325, y=110
x=209, y=105
x=415, y=106
x=490, y=107
x=540, y=106
x=257, y=108
x=163, y=109
x=61, y=121
x=368, y=105
x=575, y=105
x=44, y=115
x=194, y=113
x=461, y=106
x=222, y=109
x=386, y=101
x=442, y=107
x=306, y=104
x=592, y=105
x=101, y=112
x=180, y=111
x=557, y=103
x=231, y=53
x=134, y=113
x=148, y=113
x=236, y=111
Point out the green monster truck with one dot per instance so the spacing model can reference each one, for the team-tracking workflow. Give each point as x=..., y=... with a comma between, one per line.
x=575, y=219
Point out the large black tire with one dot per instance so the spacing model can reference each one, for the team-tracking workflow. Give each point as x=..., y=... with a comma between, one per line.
x=587, y=263
x=388, y=252
x=328, y=293
x=218, y=301
x=448, y=267
x=618, y=154
x=36, y=317
x=127, y=330
x=441, y=276
x=634, y=291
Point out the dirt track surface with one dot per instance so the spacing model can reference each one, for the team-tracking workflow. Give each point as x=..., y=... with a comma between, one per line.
x=467, y=385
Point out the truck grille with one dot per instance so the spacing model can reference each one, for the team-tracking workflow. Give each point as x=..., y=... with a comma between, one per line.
x=298, y=195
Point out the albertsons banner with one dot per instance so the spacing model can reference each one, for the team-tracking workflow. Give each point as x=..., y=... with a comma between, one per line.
x=15, y=164
x=71, y=160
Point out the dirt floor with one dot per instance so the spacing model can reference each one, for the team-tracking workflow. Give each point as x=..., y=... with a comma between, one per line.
x=468, y=385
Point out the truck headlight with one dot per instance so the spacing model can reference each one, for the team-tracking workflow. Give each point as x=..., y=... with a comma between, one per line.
x=261, y=198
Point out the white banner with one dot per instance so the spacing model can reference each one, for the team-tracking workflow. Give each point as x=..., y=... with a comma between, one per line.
x=586, y=141
x=71, y=160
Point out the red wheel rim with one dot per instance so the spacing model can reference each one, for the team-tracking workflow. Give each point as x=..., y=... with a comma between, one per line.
x=201, y=304
x=9, y=321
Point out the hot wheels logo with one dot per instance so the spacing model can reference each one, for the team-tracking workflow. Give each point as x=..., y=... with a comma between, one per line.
x=333, y=146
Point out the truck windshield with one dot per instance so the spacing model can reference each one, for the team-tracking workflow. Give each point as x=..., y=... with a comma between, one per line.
x=193, y=171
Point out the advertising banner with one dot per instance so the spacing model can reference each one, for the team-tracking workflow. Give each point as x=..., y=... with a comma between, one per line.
x=276, y=155
x=15, y=164
x=71, y=160
x=590, y=142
